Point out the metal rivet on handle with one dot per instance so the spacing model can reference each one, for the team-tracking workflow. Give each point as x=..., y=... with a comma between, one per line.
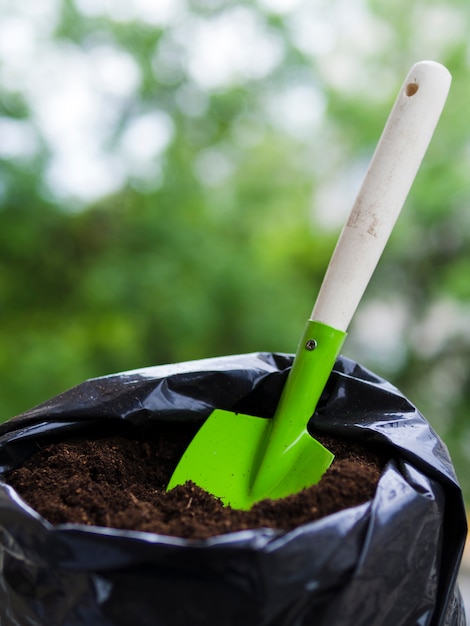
x=311, y=344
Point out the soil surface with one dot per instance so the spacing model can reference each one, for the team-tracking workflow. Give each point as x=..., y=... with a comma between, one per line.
x=120, y=483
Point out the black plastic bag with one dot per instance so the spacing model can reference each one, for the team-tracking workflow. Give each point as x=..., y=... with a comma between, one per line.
x=388, y=562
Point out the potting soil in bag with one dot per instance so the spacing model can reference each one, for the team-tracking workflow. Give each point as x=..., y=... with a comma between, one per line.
x=389, y=556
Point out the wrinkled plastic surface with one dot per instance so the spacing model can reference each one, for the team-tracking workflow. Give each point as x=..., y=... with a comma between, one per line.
x=390, y=562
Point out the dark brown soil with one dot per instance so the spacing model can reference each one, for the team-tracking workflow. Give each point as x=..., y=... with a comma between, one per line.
x=120, y=483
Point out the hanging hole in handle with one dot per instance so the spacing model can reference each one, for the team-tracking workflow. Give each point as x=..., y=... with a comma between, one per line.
x=411, y=89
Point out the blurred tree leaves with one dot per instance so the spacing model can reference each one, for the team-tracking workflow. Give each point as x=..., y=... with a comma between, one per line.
x=217, y=240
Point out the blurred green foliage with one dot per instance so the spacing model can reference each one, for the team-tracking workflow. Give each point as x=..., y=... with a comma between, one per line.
x=221, y=246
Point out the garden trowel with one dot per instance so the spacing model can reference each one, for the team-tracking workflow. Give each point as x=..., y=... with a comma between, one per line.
x=242, y=458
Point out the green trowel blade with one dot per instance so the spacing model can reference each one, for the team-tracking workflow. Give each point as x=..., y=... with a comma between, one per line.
x=228, y=450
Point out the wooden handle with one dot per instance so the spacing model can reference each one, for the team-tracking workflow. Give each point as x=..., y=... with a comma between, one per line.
x=387, y=182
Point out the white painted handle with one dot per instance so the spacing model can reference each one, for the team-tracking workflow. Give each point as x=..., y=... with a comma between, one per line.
x=388, y=180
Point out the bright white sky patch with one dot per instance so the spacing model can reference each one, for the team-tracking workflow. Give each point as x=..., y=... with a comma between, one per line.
x=147, y=136
x=445, y=320
x=84, y=176
x=156, y=12
x=280, y=7
x=312, y=34
x=344, y=37
x=76, y=99
x=18, y=139
x=438, y=28
x=76, y=119
x=297, y=110
x=377, y=332
x=231, y=48
x=115, y=72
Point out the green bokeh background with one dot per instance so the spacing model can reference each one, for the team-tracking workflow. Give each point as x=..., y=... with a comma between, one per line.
x=215, y=240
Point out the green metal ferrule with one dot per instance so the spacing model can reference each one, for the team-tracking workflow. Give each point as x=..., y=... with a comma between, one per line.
x=317, y=352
